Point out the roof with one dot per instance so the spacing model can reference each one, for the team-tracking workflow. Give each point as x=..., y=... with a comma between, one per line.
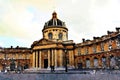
x=54, y=22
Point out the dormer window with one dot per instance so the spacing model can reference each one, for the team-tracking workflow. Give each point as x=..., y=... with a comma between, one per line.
x=50, y=35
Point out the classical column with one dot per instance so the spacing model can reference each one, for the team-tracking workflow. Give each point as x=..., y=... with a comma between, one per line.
x=55, y=58
x=36, y=59
x=52, y=57
x=33, y=59
x=61, y=60
x=40, y=61
x=48, y=58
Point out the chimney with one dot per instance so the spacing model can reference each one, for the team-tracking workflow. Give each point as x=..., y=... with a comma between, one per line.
x=83, y=39
x=108, y=32
x=118, y=29
x=11, y=47
x=17, y=47
x=94, y=38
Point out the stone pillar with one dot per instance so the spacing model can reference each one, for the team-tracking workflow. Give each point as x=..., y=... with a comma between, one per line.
x=72, y=56
x=76, y=62
x=33, y=59
x=52, y=57
x=40, y=60
x=55, y=58
x=36, y=59
x=49, y=58
x=61, y=59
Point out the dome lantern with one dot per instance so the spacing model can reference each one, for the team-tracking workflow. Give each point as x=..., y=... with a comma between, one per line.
x=54, y=15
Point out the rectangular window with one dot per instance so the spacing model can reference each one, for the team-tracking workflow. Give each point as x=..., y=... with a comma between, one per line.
x=86, y=50
x=28, y=56
x=94, y=48
x=102, y=46
x=13, y=55
x=79, y=51
x=110, y=45
x=20, y=56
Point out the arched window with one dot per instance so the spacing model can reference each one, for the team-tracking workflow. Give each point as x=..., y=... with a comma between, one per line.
x=104, y=63
x=87, y=63
x=60, y=36
x=50, y=35
x=95, y=62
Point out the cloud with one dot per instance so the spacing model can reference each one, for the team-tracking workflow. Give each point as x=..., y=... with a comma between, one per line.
x=24, y=19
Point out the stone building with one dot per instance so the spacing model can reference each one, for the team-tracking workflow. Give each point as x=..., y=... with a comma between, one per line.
x=54, y=49
x=18, y=56
x=50, y=50
x=101, y=52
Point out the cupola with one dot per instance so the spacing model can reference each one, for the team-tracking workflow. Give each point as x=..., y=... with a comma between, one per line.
x=55, y=29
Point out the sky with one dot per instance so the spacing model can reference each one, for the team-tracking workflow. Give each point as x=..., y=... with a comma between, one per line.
x=22, y=21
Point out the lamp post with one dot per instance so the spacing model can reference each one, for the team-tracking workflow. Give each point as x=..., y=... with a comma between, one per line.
x=66, y=69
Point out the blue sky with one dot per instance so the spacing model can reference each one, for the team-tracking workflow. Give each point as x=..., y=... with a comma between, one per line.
x=21, y=21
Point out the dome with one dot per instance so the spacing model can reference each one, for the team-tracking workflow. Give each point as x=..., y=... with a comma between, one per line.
x=54, y=22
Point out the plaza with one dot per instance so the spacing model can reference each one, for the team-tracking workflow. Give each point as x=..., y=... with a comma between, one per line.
x=62, y=75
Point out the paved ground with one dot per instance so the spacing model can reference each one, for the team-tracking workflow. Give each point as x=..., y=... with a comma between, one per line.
x=61, y=75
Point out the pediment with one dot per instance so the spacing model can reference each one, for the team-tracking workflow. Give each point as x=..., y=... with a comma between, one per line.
x=45, y=41
x=42, y=42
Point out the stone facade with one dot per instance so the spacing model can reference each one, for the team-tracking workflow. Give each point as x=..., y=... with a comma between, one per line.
x=20, y=55
x=54, y=49
x=101, y=52
x=50, y=50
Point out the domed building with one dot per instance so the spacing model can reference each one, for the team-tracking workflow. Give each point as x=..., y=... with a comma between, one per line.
x=55, y=29
x=54, y=49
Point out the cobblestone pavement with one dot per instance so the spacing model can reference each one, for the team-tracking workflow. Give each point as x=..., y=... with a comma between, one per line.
x=60, y=75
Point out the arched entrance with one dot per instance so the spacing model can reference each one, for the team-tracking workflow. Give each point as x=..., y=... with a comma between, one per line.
x=95, y=62
x=80, y=65
x=104, y=63
x=112, y=62
x=87, y=63
x=12, y=65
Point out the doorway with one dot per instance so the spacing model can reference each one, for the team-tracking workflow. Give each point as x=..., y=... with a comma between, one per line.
x=45, y=63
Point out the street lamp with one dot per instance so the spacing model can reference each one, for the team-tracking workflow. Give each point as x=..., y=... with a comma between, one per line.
x=66, y=69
